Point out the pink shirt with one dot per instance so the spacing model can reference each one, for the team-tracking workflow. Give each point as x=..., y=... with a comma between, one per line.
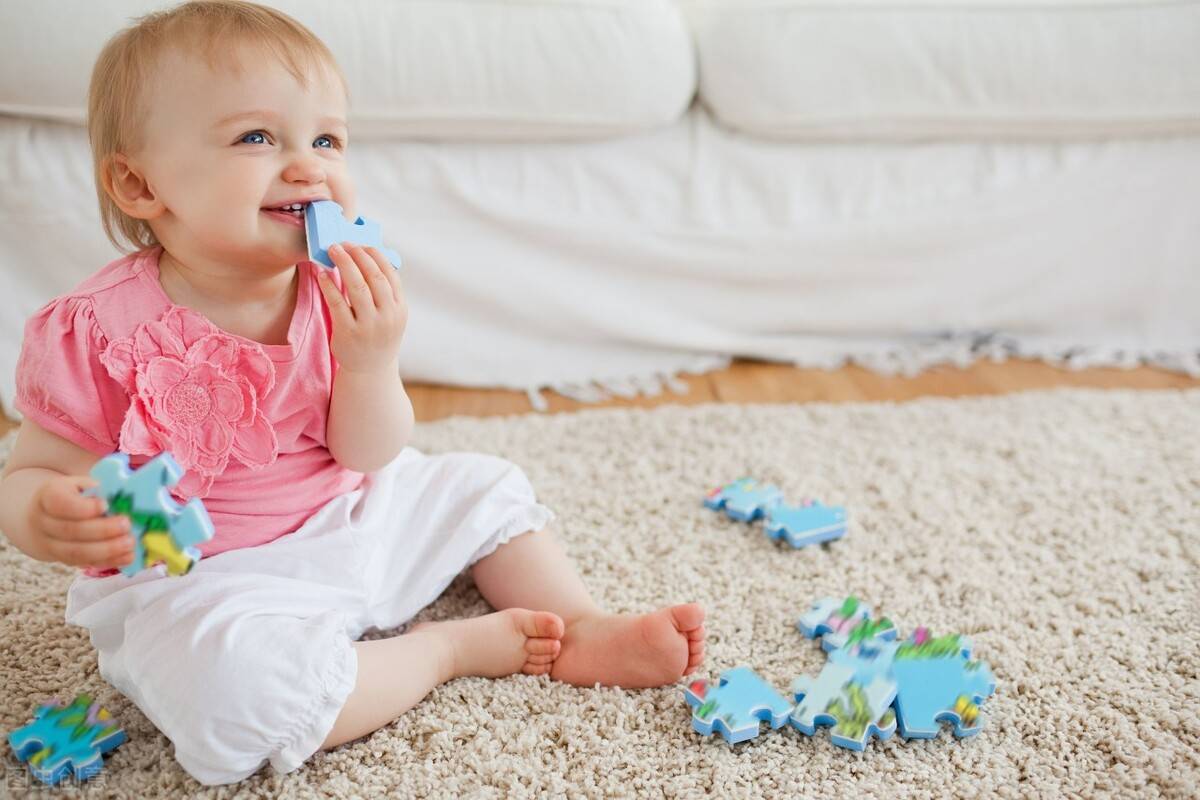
x=115, y=365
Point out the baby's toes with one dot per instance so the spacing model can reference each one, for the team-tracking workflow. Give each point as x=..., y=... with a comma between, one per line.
x=540, y=655
x=697, y=635
x=542, y=647
x=688, y=618
x=543, y=625
x=536, y=667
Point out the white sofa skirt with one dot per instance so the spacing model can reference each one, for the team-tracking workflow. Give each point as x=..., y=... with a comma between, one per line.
x=613, y=265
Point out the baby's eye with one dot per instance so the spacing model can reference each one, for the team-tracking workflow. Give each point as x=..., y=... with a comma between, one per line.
x=259, y=134
x=334, y=142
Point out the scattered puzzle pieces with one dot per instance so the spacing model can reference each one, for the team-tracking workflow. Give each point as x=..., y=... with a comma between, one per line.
x=163, y=531
x=745, y=499
x=736, y=706
x=871, y=684
x=834, y=619
x=803, y=525
x=325, y=224
x=936, y=681
x=748, y=500
x=857, y=709
x=64, y=740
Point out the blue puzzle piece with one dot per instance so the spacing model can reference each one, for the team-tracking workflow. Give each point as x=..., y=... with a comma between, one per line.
x=805, y=524
x=745, y=499
x=936, y=681
x=736, y=706
x=162, y=529
x=857, y=709
x=834, y=620
x=64, y=740
x=325, y=225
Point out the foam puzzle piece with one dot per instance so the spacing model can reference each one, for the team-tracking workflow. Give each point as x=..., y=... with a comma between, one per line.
x=744, y=499
x=163, y=531
x=736, y=706
x=802, y=525
x=325, y=224
x=66, y=739
x=856, y=708
x=834, y=620
x=936, y=681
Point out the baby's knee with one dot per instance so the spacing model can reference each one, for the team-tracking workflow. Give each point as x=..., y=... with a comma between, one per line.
x=247, y=692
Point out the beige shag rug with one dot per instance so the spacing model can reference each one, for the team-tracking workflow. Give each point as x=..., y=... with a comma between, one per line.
x=1061, y=530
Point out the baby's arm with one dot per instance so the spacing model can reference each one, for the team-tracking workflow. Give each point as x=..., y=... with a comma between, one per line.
x=42, y=511
x=370, y=414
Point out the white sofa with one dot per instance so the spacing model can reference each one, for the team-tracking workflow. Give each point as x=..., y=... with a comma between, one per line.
x=595, y=195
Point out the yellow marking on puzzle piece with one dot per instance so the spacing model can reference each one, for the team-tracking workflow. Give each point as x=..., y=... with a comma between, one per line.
x=159, y=547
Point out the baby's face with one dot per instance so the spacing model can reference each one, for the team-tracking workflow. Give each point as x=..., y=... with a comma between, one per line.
x=221, y=148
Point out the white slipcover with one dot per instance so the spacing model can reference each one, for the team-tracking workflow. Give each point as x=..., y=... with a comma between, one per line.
x=446, y=69
x=862, y=69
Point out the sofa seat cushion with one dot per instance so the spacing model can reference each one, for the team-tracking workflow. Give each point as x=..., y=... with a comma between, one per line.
x=795, y=69
x=450, y=69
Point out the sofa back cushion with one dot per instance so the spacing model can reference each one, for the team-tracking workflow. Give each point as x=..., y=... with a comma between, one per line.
x=897, y=69
x=447, y=69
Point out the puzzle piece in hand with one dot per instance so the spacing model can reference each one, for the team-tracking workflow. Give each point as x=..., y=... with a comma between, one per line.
x=736, y=705
x=857, y=709
x=745, y=499
x=162, y=529
x=805, y=524
x=835, y=620
x=325, y=224
x=936, y=681
x=66, y=739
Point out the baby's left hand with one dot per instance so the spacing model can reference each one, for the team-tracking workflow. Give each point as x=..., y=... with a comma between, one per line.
x=369, y=321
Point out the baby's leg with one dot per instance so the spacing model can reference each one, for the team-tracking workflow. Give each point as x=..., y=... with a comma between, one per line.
x=628, y=650
x=395, y=674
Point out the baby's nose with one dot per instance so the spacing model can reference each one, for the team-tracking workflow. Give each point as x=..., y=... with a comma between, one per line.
x=305, y=168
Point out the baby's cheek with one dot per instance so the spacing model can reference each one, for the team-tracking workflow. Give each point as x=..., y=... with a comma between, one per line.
x=346, y=198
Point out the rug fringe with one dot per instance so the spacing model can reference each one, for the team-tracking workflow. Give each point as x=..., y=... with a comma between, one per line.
x=961, y=349
x=597, y=391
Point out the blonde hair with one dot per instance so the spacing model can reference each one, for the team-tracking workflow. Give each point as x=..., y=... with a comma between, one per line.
x=210, y=28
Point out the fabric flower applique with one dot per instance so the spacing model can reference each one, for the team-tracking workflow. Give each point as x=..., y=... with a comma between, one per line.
x=196, y=392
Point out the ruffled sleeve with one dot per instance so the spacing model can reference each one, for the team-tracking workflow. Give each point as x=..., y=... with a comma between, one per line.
x=61, y=383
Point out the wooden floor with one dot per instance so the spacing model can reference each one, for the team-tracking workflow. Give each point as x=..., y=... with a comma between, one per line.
x=752, y=382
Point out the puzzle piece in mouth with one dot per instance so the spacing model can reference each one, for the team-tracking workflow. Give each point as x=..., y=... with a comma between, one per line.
x=325, y=225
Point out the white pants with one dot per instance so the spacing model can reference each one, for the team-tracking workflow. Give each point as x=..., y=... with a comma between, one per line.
x=248, y=658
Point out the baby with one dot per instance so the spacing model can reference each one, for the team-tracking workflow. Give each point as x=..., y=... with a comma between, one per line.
x=274, y=383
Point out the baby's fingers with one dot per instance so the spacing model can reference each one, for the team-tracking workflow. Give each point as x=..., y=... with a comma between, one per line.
x=63, y=499
x=115, y=552
x=97, y=529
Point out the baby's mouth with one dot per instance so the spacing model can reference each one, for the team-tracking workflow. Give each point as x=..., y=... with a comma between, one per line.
x=291, y=215
x=295, y=209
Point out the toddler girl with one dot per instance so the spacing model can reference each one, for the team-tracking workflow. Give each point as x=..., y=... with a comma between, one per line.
x=274, y=383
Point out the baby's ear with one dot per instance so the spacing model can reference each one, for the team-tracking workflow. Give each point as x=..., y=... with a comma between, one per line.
x=126, y=183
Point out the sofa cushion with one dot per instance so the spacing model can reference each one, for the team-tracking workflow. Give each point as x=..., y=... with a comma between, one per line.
x=470, y=69
x=797, y=69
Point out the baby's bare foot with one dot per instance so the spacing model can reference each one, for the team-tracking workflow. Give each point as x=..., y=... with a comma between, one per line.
x=503, y=643
x=634, y=651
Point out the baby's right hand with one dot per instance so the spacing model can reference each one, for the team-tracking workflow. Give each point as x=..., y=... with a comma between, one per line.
x=71, y=528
